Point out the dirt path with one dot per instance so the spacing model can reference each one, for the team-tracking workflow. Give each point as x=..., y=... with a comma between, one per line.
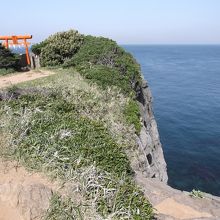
x=26, y=195
x=6, y=81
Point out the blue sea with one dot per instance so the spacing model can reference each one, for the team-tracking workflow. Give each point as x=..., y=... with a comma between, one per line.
x=185, y=83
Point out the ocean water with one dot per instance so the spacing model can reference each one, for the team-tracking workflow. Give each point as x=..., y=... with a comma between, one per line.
x=185, y=83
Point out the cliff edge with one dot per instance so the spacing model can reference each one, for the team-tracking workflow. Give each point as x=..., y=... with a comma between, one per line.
x=84, y=129
x=152, y=162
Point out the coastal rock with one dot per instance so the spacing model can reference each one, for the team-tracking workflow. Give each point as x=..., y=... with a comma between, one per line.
x=151, y=175
x=172, y=204
x=151, y=158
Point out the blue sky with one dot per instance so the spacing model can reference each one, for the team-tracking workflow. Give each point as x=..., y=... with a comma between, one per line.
x=126, y=21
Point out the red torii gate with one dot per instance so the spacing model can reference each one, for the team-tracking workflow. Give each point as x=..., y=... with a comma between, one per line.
x=15, y=41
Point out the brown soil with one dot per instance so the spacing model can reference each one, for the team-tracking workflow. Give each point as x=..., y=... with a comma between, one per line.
x=9, y=213
x=6, y=81
x=23, y=195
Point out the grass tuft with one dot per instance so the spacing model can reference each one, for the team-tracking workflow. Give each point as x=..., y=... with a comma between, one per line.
x=132, y=115
x=73, y=130
x=6, y=71
x=63, y=209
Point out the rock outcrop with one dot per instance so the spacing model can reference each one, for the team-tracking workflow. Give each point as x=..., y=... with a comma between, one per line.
x=151, y=158
x=151, y=176
x=172, y=204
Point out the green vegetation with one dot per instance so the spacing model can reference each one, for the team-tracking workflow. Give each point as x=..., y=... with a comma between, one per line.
x=37, y=48
x=63, y=209
x=4, y=71
x=126, y=197
x=58, y=48
x=105, y=77
x=98, y=59
x=72, y=129
x=115, y=199
x=196, y=194
x=132, y=115
x=79, y=125
x=76, y=141
x=104, y=62
x=8, y=61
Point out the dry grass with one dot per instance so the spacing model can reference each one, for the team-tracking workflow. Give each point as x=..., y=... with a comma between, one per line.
x=93, y=102
x=113, y=196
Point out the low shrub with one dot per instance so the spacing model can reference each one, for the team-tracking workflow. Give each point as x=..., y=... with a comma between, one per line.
x=132, y=115
x=98, y=59
x=106, y=77
x=58, y=48
x=4, y=71
x=197, y=194
x=37, y=48
x=96, y=52
x=8, y=61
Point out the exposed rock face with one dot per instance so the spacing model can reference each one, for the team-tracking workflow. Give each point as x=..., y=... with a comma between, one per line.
x=172, y=204
x=169, y=203
x=151, y=158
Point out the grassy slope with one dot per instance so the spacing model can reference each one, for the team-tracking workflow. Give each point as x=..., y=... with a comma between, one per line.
x=98, y=59
x=74, y=129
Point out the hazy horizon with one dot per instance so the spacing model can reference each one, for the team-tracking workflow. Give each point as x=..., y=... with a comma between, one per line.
x=142, y=22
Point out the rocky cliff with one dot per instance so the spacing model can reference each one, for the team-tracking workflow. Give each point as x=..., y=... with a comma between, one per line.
x=22, y=194
x=151, y=158
x=169, y=203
